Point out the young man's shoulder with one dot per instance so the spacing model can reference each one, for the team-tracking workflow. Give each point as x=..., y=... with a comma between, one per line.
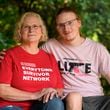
x=95, y=43
x=51, y=40
x=50, y=43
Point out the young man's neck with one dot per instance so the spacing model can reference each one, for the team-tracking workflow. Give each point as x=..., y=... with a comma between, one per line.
x=73, y=42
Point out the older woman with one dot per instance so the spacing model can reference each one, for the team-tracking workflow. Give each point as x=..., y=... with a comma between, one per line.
x=28, y=73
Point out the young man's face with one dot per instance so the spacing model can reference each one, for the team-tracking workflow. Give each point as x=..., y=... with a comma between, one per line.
x=68, y=26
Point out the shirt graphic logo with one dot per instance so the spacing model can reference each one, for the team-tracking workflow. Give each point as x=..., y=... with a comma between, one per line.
x=33, y=73
x=74, y=67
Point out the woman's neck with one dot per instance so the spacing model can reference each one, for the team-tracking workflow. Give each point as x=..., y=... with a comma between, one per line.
x=30, y=48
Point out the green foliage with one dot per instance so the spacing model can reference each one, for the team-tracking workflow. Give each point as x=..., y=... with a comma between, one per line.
x=96, y=20
x=95, y=17
x=105, y=85
x=7, y=24
x=94, y=13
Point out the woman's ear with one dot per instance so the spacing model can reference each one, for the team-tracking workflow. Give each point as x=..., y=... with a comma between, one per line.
x=19, y=34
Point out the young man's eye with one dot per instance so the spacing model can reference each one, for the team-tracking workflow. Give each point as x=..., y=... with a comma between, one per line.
x=62, y=25
x=70, y=22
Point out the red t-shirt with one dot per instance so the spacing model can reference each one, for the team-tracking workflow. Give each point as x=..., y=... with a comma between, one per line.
x=29, y=72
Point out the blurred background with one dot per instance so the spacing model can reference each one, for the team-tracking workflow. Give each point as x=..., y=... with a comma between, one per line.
x=95, y=15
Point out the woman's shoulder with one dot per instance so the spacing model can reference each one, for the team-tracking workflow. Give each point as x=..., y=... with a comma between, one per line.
x=45, y=53
x=13, y=49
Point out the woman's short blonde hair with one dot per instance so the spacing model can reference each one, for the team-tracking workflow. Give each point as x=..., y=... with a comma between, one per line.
x=20, y=24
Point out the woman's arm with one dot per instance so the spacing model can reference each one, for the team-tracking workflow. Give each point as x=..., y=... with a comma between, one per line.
x=60, y=92
x=12, y=94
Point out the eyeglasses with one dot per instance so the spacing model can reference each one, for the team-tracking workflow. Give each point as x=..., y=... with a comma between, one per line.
x=33, y=27
x=67, y=23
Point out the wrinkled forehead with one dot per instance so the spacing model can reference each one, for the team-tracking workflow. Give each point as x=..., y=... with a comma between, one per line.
x=31, y=19
x=65, y=16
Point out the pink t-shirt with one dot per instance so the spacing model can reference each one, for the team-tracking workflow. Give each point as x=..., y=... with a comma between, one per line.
x=29, y=72
x=81, y=66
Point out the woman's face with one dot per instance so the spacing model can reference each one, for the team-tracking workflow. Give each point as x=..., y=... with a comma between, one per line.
x=31, y=30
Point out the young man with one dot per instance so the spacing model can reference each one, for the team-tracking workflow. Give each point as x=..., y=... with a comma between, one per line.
x=81, y=62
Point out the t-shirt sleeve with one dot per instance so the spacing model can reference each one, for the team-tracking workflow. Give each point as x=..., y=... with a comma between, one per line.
x=104, y=60
x=57, y=72
x=6, y=69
